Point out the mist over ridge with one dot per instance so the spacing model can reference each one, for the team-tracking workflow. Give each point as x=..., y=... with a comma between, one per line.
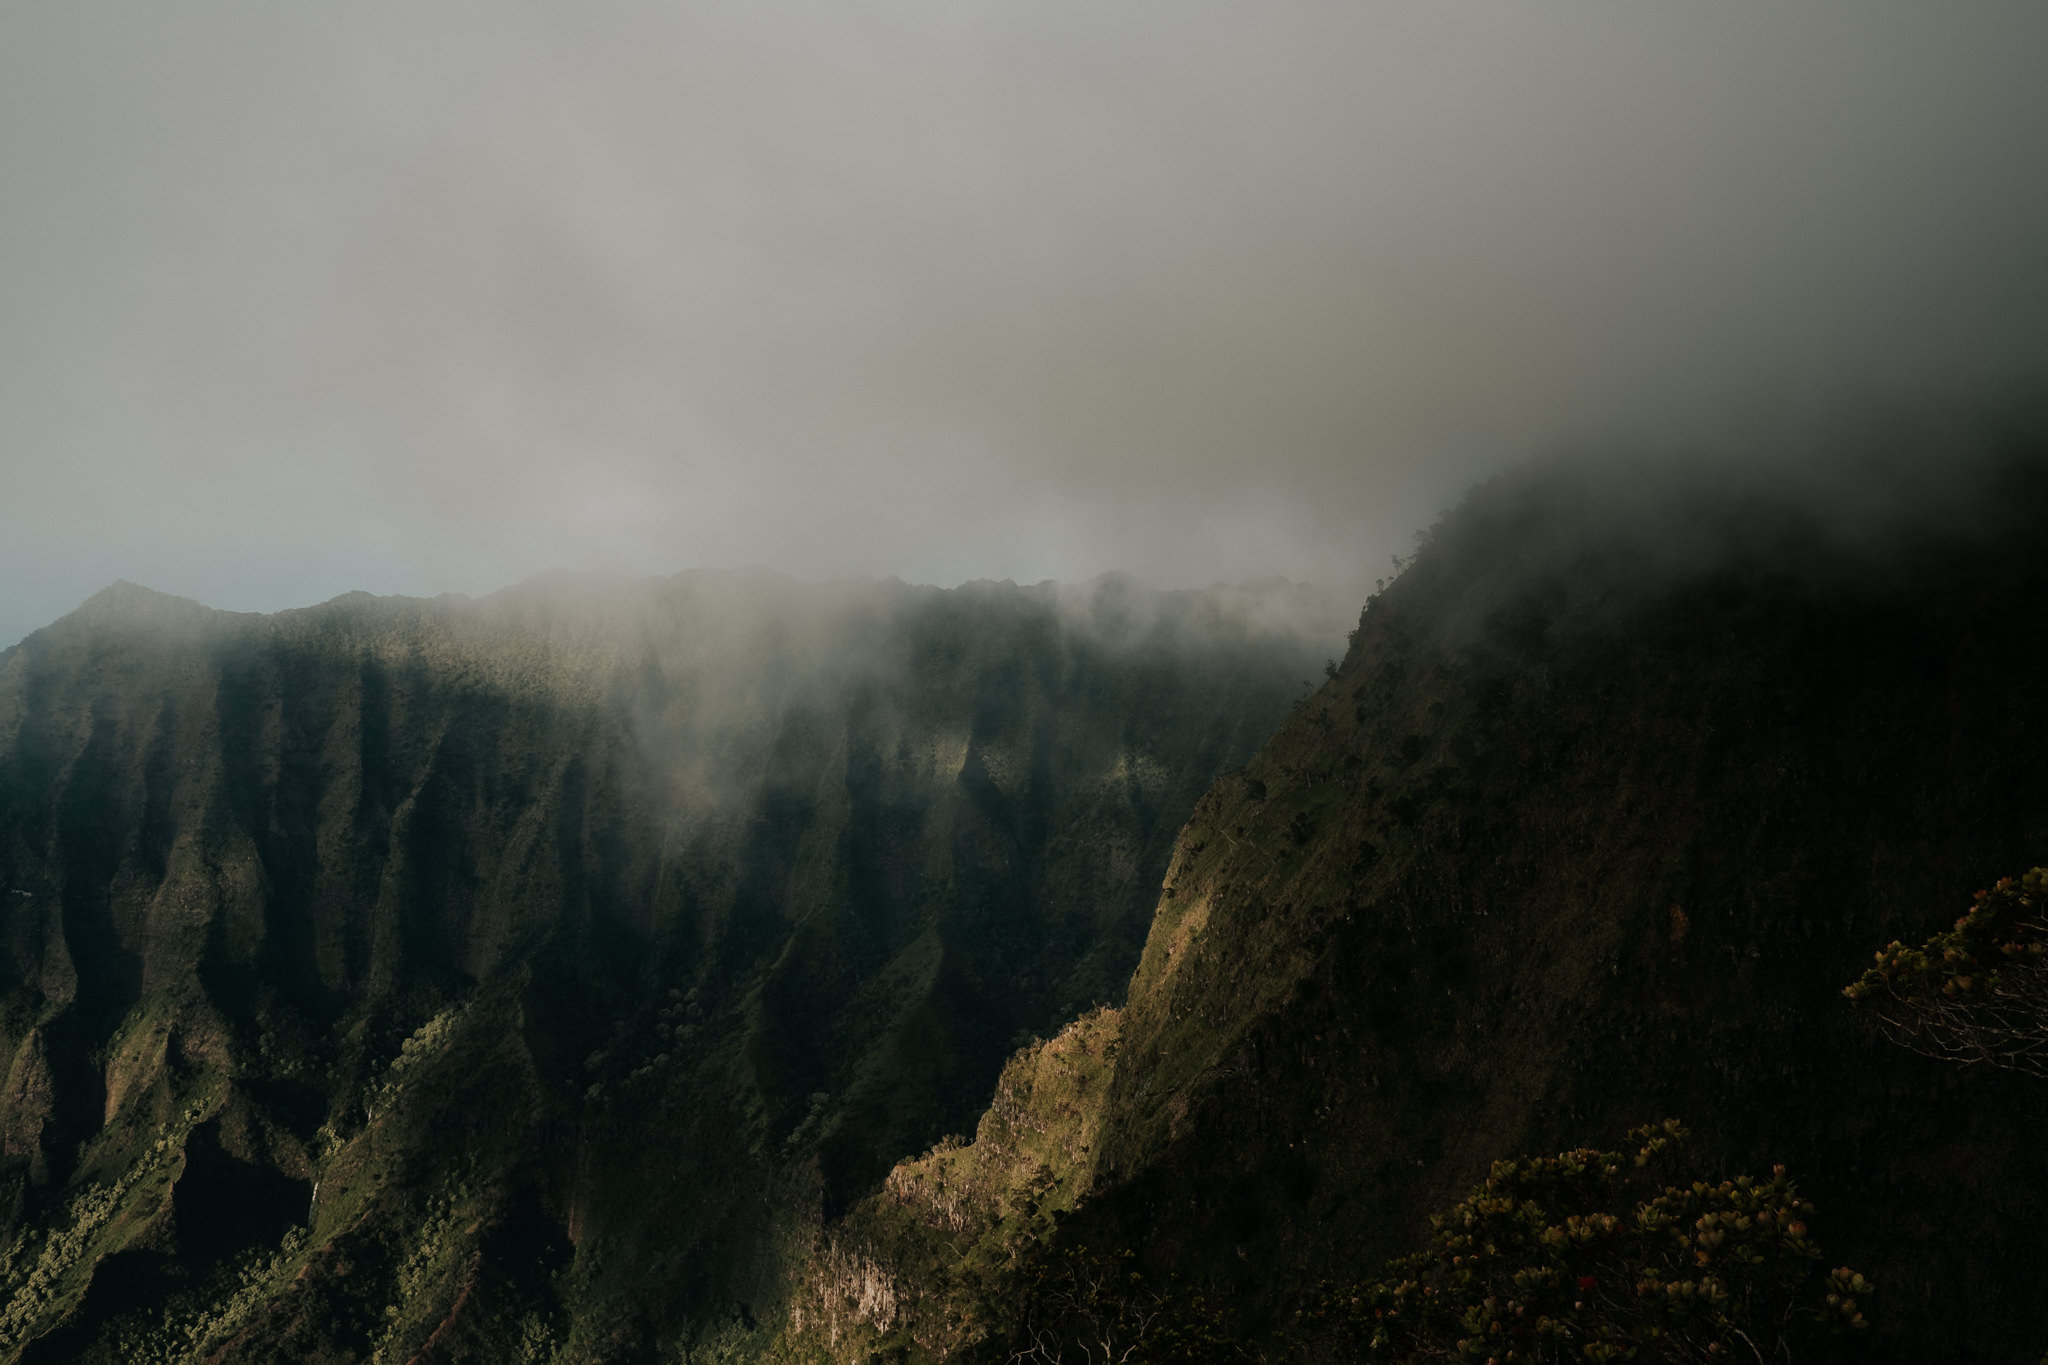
x=427, y=298
x=805, y=663
x=666, y=904
x=1620, y=781
x=591, y=621
x=580, y=970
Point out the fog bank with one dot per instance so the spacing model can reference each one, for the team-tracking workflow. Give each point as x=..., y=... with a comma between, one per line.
x=430, y=297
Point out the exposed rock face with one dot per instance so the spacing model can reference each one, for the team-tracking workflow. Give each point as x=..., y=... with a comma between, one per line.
x=1618, y=785
x=565, y=954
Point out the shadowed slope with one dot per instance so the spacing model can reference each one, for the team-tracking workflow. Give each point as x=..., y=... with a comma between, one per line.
x=570, y=948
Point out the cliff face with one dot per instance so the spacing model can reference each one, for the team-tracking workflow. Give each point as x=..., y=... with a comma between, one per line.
x=1618, y=785
x=537, y=968
x=1579, y=840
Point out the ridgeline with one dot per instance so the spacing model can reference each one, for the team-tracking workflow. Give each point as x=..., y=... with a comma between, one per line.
x=626, y=972
x=524, y=978
x=1619, y=784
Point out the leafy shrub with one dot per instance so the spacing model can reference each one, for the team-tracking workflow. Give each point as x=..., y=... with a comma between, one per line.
x=1590, y=1256
x=1977, y=992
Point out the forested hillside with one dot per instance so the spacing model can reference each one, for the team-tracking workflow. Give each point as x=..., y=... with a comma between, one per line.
x=523, y=978
x=557, y=977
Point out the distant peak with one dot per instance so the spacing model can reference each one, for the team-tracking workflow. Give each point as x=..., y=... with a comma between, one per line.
x=121, y=590
x=124, y=602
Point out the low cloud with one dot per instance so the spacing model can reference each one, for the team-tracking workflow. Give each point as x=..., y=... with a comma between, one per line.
x=296, y=299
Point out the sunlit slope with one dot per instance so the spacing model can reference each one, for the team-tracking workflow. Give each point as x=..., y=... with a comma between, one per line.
x=1619, y=783
x=560, y=955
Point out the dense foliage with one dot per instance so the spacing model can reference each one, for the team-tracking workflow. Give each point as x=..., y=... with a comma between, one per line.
x=1602, y=1256
x=1976, y=992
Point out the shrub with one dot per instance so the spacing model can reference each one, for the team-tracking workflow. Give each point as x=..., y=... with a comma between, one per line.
x=1093, y=1307
x=1592, y=1256
x=1976, y=993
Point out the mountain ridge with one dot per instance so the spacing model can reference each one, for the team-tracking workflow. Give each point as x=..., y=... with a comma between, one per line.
x=1588, y=829
x=714, y=894
x=683, y=910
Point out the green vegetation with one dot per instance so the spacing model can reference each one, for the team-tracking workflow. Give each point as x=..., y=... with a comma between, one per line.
x=1975, y=993
x=526, y=978
x=1592, y=1256
x=47, y=1265
x=945, y=1258
x=961, y=1254
x=558, y=977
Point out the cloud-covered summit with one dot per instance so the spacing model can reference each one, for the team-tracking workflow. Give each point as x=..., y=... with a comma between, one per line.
x=296, y=299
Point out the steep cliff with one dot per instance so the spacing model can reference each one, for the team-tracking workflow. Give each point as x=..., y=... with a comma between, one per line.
x=1620, y=782
x=486, y=980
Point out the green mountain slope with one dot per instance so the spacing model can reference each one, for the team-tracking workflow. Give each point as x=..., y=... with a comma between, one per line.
x=1619, y=782
x=521, y=979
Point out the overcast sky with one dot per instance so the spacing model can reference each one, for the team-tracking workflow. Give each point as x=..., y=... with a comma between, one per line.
x=431, y=296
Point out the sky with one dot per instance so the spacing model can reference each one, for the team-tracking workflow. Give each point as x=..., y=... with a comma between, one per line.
x=298, y=298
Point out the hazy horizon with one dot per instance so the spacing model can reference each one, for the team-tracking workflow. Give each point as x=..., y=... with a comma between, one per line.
x=437, y=297
x=1338, y=605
